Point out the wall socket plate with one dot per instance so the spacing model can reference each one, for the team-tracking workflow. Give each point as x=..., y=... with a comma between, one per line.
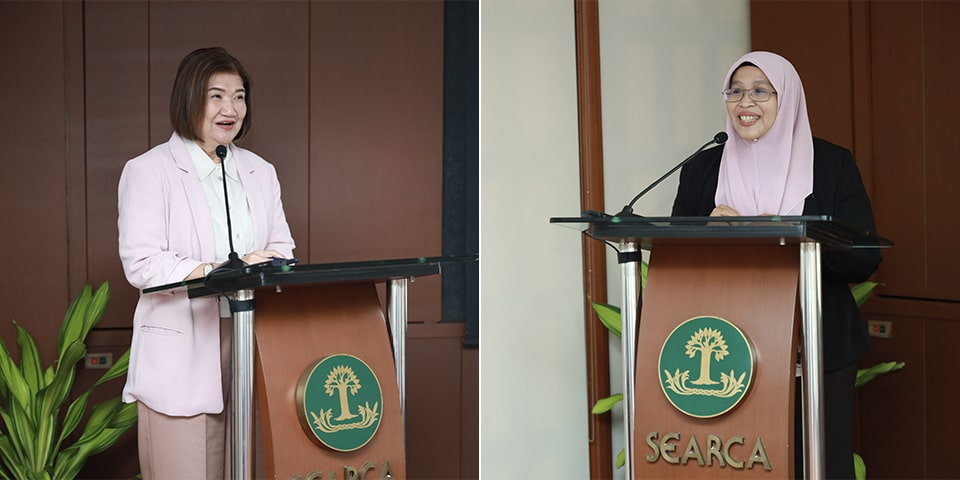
x=880, y=328
x=98, y=361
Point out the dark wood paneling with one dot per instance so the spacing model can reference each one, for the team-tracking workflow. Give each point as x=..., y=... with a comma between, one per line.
x=898, y=140
x=941, y=98
x=826, y=72
x=271, y=39
x=33, y=202
x=940, y=395
x=433, y=385
x=892, y=407
x=117, y=116
x=376, y=135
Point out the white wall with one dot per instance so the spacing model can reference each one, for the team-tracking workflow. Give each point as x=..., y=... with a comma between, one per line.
x=662, y=65
x=532, y=368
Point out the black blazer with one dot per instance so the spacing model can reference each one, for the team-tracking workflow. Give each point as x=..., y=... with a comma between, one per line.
x=837, y=191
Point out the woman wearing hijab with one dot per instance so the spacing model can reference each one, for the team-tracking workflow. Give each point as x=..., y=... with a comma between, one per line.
x=772, y=165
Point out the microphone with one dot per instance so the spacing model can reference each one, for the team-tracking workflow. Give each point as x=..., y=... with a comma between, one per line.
x=233, y=260
x=717, y=139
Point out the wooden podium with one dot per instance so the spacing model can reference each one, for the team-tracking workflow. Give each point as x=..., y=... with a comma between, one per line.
x=710, y=372
x=307, y=315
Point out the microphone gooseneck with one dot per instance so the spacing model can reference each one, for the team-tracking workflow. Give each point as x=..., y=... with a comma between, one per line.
x=233, y=260
x=717, y=139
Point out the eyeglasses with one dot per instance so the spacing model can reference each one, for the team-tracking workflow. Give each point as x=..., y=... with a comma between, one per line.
x=759, y=94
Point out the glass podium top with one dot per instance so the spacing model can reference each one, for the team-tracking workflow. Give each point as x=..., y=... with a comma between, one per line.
x=269, y=274
x=648, y=230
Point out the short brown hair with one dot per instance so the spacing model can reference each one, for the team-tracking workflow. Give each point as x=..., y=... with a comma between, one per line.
x=189, y=96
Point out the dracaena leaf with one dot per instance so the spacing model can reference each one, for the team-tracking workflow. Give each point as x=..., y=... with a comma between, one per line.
x=73, y=320
x=53, y=396
x=865, y=375
x=13, y=378
x=29, y=360
x=861, y=291
x=604, y=405
x=609, y=316
x=118, y=369
x=73, y=416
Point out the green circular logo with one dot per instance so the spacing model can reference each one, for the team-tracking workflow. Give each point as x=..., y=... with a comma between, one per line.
x=339, y=402
x=706, y=366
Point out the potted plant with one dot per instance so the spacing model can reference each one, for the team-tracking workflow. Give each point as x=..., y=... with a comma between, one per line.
x=33, y=432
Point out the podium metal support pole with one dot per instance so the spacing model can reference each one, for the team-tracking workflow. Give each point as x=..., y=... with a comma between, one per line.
x=242, y=343
x=628, y=335
x=812, y=358
x=397, y=318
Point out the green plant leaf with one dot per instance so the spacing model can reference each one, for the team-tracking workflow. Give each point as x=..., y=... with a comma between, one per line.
x=859, y=468
x=52, y=397
x=72, y=321
x=10, y=374
x=73, y=416
x=604, y=405
x=865, y=375
x=861, y=291
x=621, y=458
x=83, y=314
x=108, y=421
x=46, y=430
x=609, y=316
x=643, y=275
x=118, y=369
x=29, y=360
x=10, y=459
x=22, y=432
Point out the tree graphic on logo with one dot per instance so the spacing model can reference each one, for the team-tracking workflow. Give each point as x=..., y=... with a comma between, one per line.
x=340, y=380
x=706, y=342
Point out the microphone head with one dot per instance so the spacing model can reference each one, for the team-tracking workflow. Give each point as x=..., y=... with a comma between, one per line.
x=719, y=138
x=222, y=151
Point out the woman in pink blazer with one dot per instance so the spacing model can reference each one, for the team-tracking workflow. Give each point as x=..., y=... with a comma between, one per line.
x=172, y=228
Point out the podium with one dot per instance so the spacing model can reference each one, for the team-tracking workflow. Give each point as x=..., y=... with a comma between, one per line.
x=330, y=368
x=709, y=369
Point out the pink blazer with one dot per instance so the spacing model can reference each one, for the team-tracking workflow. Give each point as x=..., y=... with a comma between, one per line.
x=166, y=232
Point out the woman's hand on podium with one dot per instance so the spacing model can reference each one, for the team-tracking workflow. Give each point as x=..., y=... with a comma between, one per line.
x=260, y=256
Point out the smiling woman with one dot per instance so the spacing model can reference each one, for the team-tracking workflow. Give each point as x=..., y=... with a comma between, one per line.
x=773, y=165
x=175, y=225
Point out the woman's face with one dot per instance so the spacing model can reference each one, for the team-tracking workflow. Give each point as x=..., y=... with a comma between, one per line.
x=751, y=119
x=224, y=113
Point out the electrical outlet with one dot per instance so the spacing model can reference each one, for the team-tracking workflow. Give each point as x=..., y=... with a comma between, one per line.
x=880, y=329
x=98, y=360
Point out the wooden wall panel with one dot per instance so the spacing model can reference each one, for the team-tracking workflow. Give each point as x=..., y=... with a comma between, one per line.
x=940, y=396
x=898, y=139
x=271, y=40
x=33, y=204
x=892, y=408
x=826, y=72
x=941, y=100
x=433, y=386
x=376, y=135
x=117, y=64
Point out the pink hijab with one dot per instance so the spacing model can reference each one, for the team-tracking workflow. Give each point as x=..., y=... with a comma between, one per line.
x=774, y=174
